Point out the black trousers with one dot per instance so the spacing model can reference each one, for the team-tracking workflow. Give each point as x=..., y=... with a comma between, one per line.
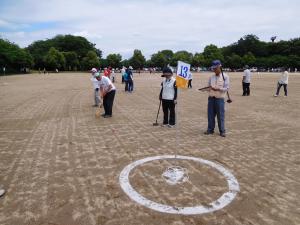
x=190, y=83
x=279, y=87
x=169, y=111
x=246, y=89
x=108, y=101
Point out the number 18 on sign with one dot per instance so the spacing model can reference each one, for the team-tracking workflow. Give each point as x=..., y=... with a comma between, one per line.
x=183, y=73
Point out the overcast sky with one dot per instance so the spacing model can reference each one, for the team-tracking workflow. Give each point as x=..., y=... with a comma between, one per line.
x=120, y=26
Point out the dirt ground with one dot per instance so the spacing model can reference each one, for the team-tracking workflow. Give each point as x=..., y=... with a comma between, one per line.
x=60, y=165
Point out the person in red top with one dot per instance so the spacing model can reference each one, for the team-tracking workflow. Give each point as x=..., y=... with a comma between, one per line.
x=107, y=72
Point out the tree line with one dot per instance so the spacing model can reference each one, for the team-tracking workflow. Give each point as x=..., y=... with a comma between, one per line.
x=72, y=53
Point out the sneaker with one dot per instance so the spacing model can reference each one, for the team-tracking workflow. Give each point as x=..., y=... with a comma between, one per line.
x=285, y=96
x=2, y=192
x=95, y=105
x=107, y=116
x=275, y=95
x=222, y=134
x=164, y=125
x=208, y=132
x=171, y=126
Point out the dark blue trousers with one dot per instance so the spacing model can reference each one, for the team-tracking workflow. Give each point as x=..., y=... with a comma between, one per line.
x=216, y=107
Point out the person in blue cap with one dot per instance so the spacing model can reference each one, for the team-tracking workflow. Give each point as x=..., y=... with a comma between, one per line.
x=218, y=86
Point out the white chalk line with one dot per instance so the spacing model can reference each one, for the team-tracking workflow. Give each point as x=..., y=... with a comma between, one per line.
x=218, y=204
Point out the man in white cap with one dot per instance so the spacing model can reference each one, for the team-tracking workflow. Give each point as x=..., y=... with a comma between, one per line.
x=96, y=88
x=108, y=91
x=219, y=85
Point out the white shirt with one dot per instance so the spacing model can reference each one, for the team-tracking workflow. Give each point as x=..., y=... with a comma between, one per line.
x=105, y=82
x=190, y=76
x=95, y=82
x=218, y=82
x=247, y=76
x=284, y=78
x=168, y=92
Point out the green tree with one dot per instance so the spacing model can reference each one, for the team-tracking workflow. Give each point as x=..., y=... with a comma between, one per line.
x=234, y=61
x=114, y=60
x=184, y=56
x=72, y=61
x=137, y=61
x=125, y=63
x=13, y=58
x=63, y=43
x=212, y=52
x=159, y=60
x=198, y=60
x=90, y=60
x=168, y=55
x=55, y=59
x=249, y=59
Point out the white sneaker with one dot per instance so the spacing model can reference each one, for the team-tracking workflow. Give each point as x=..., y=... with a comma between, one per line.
x=164, y=125
x=275, y=95
x=171, y=126
x=2, y=192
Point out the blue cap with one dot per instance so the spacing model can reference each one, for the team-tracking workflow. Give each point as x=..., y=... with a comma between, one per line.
x=215, y=64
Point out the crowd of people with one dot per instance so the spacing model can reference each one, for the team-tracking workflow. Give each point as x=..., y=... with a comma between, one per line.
x=218, y=86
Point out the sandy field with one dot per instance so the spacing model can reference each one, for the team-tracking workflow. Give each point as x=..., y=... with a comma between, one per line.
x=60, y=165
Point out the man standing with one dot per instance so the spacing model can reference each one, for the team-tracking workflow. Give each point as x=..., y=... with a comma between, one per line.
x=96, y=87
x=219, y=85
x=168, y=96
x=108, y=91
x=283, y=81
x=246, y=81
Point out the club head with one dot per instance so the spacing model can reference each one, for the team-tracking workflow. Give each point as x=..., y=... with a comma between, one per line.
x=155, y=124
x=229, y=101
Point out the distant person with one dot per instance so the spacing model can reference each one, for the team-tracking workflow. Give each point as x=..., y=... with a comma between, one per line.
x=44, y=70
x=123, y=71
x=129, y=76
x=96, y=88
x=56, y=70
x=2, y=192
x=108, y=91
x=219, y=85
x=113, y=75
x=246, y=81
x=190, y=80
x=283, y=81
x=168, y=96
x=107, y=72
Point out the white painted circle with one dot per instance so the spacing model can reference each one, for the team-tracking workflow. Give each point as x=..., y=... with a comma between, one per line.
x=221, y=202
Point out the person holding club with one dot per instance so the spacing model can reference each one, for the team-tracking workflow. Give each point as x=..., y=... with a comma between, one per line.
x=168, y=96
x=218, y=86
x=108, y=91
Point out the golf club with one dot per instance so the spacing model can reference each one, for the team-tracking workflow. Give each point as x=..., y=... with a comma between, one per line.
x=204, y=88
x=156, y=123
x=229, y=99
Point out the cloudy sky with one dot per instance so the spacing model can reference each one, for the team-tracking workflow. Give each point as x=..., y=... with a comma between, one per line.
x=120, y=26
